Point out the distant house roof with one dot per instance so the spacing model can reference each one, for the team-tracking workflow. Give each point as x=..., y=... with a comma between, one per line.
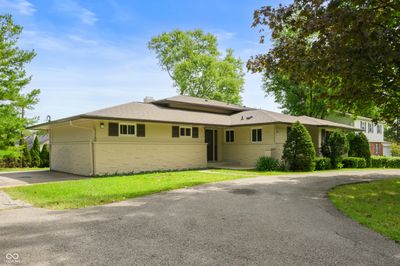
x=29, y=140
x=192, y=110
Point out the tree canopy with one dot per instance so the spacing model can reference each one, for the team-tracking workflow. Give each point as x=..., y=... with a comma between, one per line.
x=13, y=80
x=296, y=99
x=197, y=67
x=349, y=47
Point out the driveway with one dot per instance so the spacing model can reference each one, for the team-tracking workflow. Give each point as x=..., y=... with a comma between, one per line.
x=32, y=177
x=282, y=220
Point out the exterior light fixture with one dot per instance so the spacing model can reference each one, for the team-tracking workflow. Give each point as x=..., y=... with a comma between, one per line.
x=101, y=125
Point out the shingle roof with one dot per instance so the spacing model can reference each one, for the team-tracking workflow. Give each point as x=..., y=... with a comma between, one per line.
x=184, y=99
x=156, y=113
x=153, y=112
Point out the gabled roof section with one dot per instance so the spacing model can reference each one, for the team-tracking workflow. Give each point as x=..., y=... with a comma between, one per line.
x=200, y=104
x=260, y=116
x=152, y=112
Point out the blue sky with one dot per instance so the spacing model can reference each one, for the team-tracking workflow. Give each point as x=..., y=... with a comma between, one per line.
x=93, y=54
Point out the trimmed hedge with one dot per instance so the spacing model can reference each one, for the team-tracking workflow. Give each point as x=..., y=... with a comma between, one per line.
x=378, y=161
x=322, y=163
x=385, y=162
x=265, y=163
x=393, y=162
x=354, y=162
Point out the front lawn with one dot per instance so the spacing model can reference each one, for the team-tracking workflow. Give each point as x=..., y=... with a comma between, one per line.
x=374, y=204
x=101, y=190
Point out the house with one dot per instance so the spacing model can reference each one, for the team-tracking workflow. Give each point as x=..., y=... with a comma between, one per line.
x=373, y=131
x=180, y=132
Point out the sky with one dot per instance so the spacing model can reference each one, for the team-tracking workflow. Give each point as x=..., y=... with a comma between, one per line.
x=93, y=54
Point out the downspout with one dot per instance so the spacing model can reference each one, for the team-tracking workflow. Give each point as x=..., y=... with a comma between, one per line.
x=92, y=170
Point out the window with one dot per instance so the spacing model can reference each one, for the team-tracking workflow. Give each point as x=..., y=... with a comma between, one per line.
x=370, y=128
x=195, y=132
x=185, y=131
x=126, y=130
x=379, y=129
x=256, y=135
x=363, y=125
x=376, y=149
x=113, y=129
x=141, y=130
x=229, y=136
x=175, y=131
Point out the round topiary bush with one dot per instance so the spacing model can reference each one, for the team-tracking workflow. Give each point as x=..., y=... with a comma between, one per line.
x=359, y=146
x=265, y=163
x=298, y=151
x=335, y=147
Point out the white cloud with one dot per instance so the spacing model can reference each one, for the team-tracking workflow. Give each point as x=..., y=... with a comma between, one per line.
x=23, y=7
x=87, y=16
x=73, y=8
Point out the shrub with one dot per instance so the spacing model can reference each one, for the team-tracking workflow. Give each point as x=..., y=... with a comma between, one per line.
x=393, y=162
x=265, y=163
x=395, y=149
x=379, y=161
x=35, y=153
x=9, y=158
x=354, y=162
x=335, y=147
x=44, y=156
x=26, y=155
x=322, y=163
x=359, y=146
x=298, y=151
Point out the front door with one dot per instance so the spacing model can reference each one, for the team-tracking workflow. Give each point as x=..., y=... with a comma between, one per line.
x=211, y=140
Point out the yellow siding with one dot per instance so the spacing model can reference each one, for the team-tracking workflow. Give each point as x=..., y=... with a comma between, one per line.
x=158, y=150
x=244, y=152
x=70, y=148
x=124, y=157
x=72, y=158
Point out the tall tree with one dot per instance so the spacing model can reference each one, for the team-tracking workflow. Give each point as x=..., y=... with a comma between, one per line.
x=349, y=47
x=13, y=80
x=193, y=61
x=35, y=153
x=296, y=99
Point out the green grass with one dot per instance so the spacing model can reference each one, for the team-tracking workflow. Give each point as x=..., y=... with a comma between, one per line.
x=374, y=204
x=101, y=190
x=22, y=169
x=254, y=172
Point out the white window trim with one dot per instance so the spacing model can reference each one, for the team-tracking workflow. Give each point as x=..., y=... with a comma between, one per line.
x=184, y=136
x=127, y=124
x=234, y=136
x=251, y=135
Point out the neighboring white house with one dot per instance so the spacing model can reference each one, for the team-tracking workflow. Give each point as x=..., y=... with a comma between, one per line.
x=374, y=132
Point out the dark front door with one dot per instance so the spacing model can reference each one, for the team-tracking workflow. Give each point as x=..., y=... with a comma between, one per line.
x=211, y=140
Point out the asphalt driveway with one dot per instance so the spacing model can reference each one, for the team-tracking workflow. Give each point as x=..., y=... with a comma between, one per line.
x=260, y=221
x=32, y=177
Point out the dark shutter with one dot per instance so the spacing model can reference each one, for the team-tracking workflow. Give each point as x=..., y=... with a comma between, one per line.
x=141, y=130
x=227, y=136
x=113, y=129
x=175, y=131
x=195, y=133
